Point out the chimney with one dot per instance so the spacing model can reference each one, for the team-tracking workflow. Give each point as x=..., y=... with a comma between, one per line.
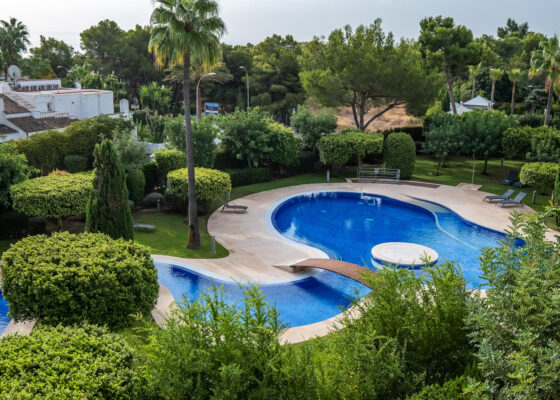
x=123, y=106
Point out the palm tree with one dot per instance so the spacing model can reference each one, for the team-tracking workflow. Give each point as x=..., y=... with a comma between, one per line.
x=515, y=75
x=474, y=71
x=546, y=59
x=186, y=32
x=495, y=74
x=14, y=38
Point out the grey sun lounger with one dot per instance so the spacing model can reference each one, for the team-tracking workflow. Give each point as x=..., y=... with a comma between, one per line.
x=504, y=196
x=515, y=202
x=234, y=207
x=512, y=177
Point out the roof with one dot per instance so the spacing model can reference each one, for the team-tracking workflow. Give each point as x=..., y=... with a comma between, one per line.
x=460, y=109
x=477, y=101
x=30, y=124
x=11, y=107
x=5, y=130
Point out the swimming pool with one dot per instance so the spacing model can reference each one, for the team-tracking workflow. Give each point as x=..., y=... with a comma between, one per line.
x=347, y=225
x=4, y=319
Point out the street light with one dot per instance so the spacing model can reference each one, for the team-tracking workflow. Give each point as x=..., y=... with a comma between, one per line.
x=247, y=72
x=197, y=88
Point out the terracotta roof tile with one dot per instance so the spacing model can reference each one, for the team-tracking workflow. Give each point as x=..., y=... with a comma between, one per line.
x=5, y=130
x=11, y=107
x=30, y=124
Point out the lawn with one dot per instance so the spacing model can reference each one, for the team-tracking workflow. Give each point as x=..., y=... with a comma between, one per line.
x=170, y=235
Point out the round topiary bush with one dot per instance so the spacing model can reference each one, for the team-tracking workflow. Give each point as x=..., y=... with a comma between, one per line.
x=210, y=184
x=399, y=152
x=540, y=175
x=68, y=279
x=55, y=196
x=66, y=363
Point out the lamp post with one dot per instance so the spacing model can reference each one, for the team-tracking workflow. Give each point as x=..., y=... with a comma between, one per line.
x=247, y=73
x=197, y=91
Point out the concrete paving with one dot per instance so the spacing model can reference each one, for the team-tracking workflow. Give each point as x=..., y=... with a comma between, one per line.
x=257, y=250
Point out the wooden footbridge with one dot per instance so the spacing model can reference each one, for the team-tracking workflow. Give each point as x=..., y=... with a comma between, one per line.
x=343, y=268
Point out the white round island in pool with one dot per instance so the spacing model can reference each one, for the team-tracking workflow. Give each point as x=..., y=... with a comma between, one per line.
x=404, y=255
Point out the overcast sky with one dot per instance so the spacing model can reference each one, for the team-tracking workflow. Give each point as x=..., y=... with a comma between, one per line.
x=254, y=20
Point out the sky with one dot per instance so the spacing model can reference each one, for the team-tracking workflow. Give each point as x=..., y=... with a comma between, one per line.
x=250, y=21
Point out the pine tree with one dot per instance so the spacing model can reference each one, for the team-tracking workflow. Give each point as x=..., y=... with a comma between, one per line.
x=108, y=210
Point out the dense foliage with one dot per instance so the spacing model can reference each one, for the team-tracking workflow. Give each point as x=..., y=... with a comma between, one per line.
x=169, y=160
x=54, y=196
x=68, y=279
x=336, y=150
x=67, y=363
x=13, y=169
x=108, y=210
x=210, y=184
x=534, y=144
x=516, y=325
x=136, y=184
x=75, y=163
x=399, y=152
x=539, y=175
x=249, y=176
x=205, y=133
x=312, y=126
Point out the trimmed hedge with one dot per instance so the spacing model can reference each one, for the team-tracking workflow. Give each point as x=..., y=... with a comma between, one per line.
x=75, y=163
x=169, y=160
x=69, y=279
x=210, y=184
x=54, y=196
x=540, y=175
x=534, y=144
x=249, y=176
x=337, y=150
x=136, y=184
x=399, y=152
x=415, y=132
x=64, y=363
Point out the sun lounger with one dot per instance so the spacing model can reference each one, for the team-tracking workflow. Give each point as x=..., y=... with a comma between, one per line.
x=504, y=196
x=515, y=202
x=512, y=177
x=234, y=207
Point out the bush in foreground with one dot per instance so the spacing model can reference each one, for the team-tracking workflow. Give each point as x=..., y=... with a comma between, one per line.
x=539, y=175
x=13, y=169
x=399, y=152
x=66, y=364
x=69, y=279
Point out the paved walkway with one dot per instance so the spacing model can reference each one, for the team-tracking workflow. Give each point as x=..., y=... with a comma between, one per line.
x=256, y=249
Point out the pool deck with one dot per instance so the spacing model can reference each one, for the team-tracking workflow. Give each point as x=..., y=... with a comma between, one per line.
x=257, y=252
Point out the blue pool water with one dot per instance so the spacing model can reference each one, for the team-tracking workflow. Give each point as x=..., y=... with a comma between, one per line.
x=4, y=319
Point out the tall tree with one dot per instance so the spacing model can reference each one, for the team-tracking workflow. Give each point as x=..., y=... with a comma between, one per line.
x=546, y=60
x=108, y=210
x=14, y=38
x=474, y=71
x=186, y=32
x=495, y=75
x=448, y=47
x=515, y=76
x=57, y=53
x=363, y=69
x=512, y=28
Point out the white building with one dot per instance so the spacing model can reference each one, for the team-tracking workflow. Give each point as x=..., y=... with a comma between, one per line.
x=476, y=103
x=31, y=106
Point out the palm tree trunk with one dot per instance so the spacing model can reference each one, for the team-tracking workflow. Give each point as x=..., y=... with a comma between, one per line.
x=194, y=235
x=548, y=105
x=492, y=96
x=473, y=87
x=513, y=99
x=450, y=91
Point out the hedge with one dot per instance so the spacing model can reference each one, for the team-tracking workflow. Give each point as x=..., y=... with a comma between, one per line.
x=540, y=175
x=169, y=160
x=151, y=174
x=135, y=183
x=523, y=142
x=336, y=150
x=210, y=184
x=399, y=152
x=249, y=176
x=415, y=132
x=54, y=196
x=68, y=278
x=64, y=363
x=75, y=163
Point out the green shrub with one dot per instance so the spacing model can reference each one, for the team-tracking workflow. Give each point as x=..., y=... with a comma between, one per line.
x=312, y=126
x=285, y=147
x=545, y=146
x=13, y=169
x=204, y=133
x=249, y=176
x=61, y=363
x=539, y=175
x=75, y=163
x=399, y=152
x=46, y=150
x=534, y=144
x=336, y=150
x=70, y=279
x=516, y=142
x=151, y=174
x=533, y=120
x=210, y=184
x=450, y=390
x=415, y=132
x=136, y=184
x=169, y=160
x=54, y=196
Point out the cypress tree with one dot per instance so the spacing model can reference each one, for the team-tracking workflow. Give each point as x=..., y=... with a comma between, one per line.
x=108, y=210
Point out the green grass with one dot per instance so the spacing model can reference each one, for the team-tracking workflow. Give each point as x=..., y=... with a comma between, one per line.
x=170, y=235
x=460, y=170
